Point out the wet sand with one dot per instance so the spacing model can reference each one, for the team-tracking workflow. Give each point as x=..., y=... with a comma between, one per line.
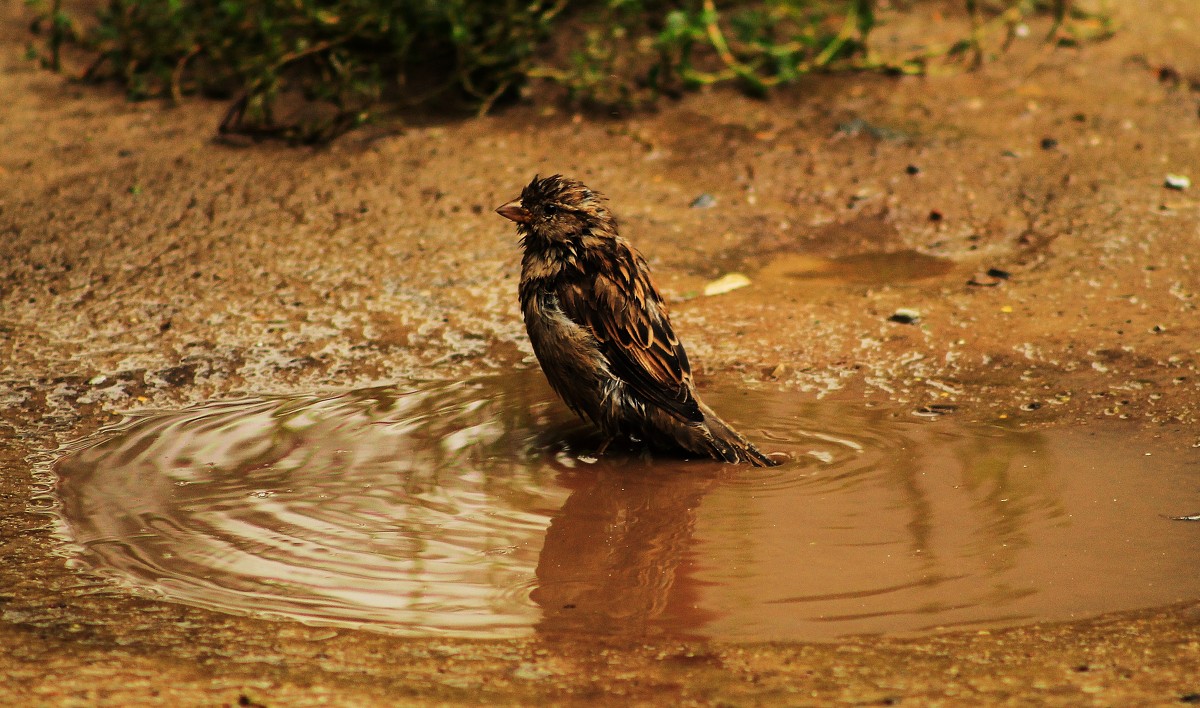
x=145, y=266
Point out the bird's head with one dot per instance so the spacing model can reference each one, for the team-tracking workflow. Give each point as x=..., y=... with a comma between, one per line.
x=558, y=209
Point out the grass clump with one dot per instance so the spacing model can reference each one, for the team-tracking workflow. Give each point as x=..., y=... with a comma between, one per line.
x=358, y=57
x=350, y=55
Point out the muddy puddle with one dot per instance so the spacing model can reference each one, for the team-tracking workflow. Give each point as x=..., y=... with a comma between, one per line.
x=473, y=509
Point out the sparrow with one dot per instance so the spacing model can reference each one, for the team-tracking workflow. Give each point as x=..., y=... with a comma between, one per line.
x=600, y=328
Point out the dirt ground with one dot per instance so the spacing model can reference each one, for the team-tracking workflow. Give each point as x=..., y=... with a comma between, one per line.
x=144, y=265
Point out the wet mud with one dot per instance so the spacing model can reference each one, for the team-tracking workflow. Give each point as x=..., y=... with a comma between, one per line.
x=970, y=322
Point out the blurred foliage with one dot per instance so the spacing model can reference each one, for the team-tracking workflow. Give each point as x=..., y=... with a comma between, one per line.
x=356, y=57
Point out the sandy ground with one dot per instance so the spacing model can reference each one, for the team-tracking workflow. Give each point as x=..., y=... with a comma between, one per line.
x=145, y=265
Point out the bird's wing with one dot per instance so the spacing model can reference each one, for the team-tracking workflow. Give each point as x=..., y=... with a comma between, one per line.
x=628, y=318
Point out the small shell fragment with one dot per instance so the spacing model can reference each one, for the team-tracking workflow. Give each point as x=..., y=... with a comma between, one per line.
x=726, y=283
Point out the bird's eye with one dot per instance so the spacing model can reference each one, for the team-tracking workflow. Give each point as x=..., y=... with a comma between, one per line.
x=550, y=210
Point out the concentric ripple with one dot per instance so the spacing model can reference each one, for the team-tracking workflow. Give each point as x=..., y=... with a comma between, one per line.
x=471, y=509
x=412, y=509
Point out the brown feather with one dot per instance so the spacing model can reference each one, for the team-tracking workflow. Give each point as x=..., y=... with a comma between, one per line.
x=654, y=365
x=601, y=330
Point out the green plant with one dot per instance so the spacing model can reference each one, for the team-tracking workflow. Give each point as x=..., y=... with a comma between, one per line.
x=358, y=57
x=60, y=29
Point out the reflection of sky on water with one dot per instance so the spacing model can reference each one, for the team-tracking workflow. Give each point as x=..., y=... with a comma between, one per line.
x=457, y=508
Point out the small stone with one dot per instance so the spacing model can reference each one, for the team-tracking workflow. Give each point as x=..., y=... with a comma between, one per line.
x=983, y=280
x=1168, y=74
x=1049, y=143
x=704, y=201
x=1177, y=182
x=905, y=315
x=999, y=273
x=97, y=380
x=912, y=170
x=726, y=283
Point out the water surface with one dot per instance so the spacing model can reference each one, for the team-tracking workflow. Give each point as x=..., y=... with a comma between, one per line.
x=475, y=509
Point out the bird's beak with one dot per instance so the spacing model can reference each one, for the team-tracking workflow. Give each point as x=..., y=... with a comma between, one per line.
x=514, y=211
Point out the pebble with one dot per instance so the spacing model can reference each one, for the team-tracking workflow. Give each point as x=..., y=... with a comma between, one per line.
x=704, y=201
x=905, y=315
x=1177, y=182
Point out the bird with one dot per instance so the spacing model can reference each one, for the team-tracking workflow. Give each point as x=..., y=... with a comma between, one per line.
x=600, y=328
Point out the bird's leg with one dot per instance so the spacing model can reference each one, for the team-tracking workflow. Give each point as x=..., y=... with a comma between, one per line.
x=604, y=445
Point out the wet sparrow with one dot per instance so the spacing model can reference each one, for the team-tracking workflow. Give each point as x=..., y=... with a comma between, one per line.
x=600, y=329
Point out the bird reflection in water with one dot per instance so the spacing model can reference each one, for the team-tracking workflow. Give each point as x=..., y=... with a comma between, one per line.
x=616, y=556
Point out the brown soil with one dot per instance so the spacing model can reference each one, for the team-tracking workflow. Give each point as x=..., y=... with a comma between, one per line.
x=145, y=265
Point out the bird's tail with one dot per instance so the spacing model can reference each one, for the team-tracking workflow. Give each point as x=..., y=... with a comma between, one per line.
x=725, y=443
